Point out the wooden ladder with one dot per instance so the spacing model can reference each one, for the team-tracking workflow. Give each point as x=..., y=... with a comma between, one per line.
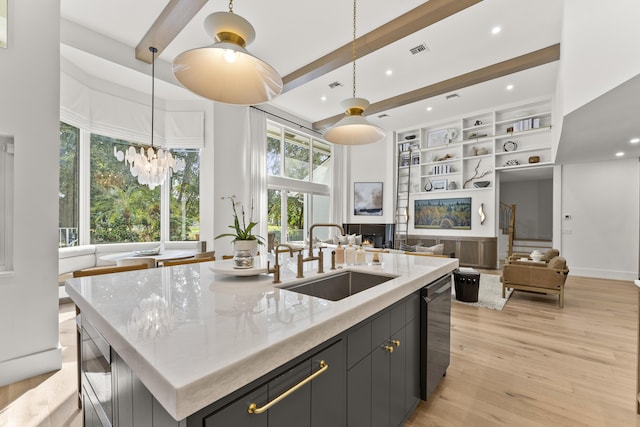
x=403, y=188
x=508, y=224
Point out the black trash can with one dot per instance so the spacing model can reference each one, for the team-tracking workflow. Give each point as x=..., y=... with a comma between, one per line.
x=467, y=284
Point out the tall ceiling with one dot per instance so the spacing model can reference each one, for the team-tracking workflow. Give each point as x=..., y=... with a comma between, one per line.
x=292, y=34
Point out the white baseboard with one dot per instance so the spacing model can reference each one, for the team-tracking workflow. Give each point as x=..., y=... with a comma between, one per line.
x=29, y=366
x=603, y=274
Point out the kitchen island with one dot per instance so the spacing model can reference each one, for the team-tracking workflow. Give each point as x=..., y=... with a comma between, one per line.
x=193, y=337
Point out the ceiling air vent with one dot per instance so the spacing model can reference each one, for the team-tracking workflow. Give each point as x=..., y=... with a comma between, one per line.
x=452, y=96
x=419, y=49
x=335, y=85
x=383, y=115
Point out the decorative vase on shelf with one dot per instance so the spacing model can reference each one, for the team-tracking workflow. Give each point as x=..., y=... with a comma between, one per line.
x=243, y=253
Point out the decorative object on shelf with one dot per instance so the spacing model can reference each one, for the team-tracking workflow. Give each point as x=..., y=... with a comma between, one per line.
x=510, y=129
x=225, y=71
x=452, y=214
x=367, y=198
x=439, y=184
x=477, y=174
x=445, y=157
x=410, y=137
x=476, y=136
x=354, y=128
x=428, y=186
x=510, y=146
x=481, y=213
x=481, y=184
x=243, y=238
x=441, y=137
x=512, y=162
x=482, y=151
x=477, y=123
x=534, y=159
x=415, y=159
x=473, y=151
x=452, y=185
x=152, y=166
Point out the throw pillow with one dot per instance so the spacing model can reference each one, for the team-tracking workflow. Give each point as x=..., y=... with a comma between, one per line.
x=557, y=263
x=548, y=255
x=407, y=248
x=435, y=249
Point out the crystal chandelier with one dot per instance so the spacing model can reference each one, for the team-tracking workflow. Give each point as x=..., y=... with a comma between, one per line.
x=150, y=165
x=354, y=128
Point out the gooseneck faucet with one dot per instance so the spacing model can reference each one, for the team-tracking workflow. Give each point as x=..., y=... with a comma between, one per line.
x=276, y=268
x=320, y=258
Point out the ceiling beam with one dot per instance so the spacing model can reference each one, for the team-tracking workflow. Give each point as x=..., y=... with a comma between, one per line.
x=500, y=69
x=421, y=17
x=173, y=18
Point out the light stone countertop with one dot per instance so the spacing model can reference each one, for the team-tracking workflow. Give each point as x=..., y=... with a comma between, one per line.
x=193, y=336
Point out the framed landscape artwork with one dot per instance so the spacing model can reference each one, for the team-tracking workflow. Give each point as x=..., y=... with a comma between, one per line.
x=451, y=214
x=367, y=198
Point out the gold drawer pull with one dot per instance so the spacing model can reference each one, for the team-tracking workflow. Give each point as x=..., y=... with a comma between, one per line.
x=388, y=348
x=253, y=408
x=396, y=343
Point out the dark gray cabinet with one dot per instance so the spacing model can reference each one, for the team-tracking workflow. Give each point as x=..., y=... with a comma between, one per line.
x=317, y=403
x=383, y=378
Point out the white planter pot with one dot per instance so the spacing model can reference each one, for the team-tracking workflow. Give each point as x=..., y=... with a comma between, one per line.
x=246, y=245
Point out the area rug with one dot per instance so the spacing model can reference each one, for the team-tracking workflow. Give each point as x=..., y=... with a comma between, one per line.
x=489, y=293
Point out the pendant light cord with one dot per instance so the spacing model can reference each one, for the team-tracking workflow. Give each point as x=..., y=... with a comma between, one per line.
x=153, y=87
x=354, y=48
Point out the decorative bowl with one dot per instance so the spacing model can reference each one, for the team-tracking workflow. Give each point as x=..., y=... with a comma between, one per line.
x=481, y=184
x=410, y=137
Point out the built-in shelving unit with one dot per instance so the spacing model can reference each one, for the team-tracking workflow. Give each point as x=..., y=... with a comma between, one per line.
x=447, y=156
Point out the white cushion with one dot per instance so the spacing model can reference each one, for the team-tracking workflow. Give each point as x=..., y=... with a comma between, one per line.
x=435, y=249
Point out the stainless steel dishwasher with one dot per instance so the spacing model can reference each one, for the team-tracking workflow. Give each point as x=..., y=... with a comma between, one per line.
x=435, y=330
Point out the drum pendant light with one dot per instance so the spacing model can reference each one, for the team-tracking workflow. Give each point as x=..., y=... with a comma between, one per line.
x=225, y=71
x=354, y=128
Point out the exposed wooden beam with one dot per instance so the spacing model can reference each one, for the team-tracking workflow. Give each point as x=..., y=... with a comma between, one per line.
x=173, y=18
x=500, y=69
x=421, y=17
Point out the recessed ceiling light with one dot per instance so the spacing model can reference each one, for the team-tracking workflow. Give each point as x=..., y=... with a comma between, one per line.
x=634, y=140
x=323, y=98
x=495, y=30
x=509, y=87
x=389, y=72
x=619, y=154
x=429, y=108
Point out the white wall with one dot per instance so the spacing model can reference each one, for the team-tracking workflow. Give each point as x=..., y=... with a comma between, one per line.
x=597, y=35
x=601, y=237
x=231, y=168
x=534, y=207
x=29, y=111
x=372, y=163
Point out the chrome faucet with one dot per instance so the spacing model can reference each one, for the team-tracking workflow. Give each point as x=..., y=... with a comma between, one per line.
x=320, y=258
x=276, y=269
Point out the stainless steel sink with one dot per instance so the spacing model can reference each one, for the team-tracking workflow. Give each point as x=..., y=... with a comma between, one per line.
x=338, y=286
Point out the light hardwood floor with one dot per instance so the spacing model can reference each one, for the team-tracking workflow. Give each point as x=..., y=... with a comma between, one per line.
x=531, y=364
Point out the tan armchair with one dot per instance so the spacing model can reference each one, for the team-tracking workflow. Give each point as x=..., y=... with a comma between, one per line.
x=547, y=279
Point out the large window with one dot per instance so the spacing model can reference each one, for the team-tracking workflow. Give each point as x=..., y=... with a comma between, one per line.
x=299, y=168
x=69, y=193
x=119, y=208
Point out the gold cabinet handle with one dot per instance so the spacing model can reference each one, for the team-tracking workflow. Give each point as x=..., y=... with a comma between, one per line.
x=396, y=343
x=388, y=348
x=253, y=408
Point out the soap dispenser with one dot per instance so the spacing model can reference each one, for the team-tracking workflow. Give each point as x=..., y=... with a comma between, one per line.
x=360, y=256
x=339, y=255
x=350, y=255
